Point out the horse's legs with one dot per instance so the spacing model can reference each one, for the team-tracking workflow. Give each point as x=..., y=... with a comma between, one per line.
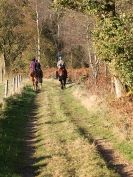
x=33, y=83
x=40, y=81
x=64, y=82
x=62, y=85
x=41, y=85
x=33, y=86
x=36, y=85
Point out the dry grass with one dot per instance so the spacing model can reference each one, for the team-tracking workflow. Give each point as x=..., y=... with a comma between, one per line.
x=106, y=122
x=123, y=109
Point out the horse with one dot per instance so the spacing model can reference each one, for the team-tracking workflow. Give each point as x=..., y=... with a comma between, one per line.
x=62, y=75
x=39, y=77
x=36, y=78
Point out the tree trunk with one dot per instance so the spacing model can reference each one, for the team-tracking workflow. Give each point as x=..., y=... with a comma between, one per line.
x=106, y=69
x=71, y=59
x=38, y=33
x=2, y=69
x=119, y=88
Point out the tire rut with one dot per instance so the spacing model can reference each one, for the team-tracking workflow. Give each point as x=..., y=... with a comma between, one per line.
x=113, y=159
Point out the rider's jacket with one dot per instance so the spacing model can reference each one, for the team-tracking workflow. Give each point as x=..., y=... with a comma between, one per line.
x=37, y=66
x=32, y=66
x=60, y=63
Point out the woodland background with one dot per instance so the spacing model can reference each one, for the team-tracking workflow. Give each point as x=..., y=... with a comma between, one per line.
x=96, y=36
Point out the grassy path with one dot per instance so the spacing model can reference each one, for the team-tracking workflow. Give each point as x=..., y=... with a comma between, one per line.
x=50, y=134
x=61, y=148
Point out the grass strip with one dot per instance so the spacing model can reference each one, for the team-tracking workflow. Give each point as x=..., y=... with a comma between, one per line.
x=97, y=123
x=13, y=121
x=60, y=149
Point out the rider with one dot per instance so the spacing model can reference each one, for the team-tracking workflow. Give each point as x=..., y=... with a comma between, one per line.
x=37, y=65
x=61, y=68
x=32, y=67
x=60, y=63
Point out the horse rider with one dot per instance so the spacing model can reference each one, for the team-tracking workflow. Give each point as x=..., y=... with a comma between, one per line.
x=60, y=63
x=61, y=68
x=32, y=68
x=37, y=65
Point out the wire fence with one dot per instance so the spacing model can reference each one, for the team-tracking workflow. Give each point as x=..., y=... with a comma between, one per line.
x=11, y=86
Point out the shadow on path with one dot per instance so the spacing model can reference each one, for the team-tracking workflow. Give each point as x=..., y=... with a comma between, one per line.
x=13, y=120
x=110, y=156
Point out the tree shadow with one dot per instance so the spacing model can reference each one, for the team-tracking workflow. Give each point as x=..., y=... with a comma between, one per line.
x=55, y=122
x=13, y=120
x=40, y=163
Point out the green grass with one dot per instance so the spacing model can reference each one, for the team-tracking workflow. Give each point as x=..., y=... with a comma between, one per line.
x=13, y=120
x=97, y=123
x=61, y=150
x=61, y=146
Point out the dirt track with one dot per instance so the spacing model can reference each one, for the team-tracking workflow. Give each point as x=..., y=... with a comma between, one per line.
x=60, y=143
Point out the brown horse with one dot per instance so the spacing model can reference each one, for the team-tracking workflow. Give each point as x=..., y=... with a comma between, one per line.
x=36, y=78
x=62, y=75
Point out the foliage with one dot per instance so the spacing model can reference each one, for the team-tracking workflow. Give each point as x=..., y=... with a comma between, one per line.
x=113, y=33
x=113, y=40
x=10, y=35
x=77, y=57
x=94, y=6
x=48, y=44
x=14, y=32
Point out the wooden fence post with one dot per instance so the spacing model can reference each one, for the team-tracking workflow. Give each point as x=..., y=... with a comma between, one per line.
x=6, y=88
x=19, y=83
x=14, y=85
x=20, y=79
x=2, y=75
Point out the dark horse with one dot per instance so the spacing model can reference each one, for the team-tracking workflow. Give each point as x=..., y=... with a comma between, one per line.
x=36, y=78
x=62, y=75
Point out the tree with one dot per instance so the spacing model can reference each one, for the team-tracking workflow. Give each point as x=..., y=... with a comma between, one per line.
x=49, y=42
x=112, y=35
x=14, y=36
